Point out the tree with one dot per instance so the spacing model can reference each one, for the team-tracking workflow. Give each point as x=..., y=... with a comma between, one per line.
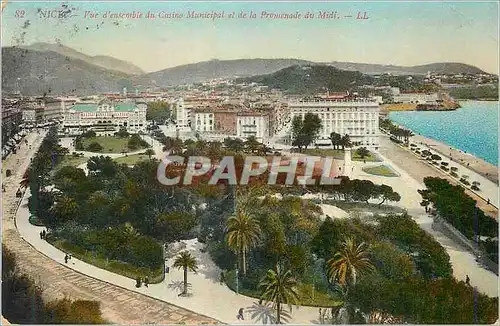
x=149, y=152
x=174, y=226
x=95, y=147
x=305, y=132
x=235, y=145
x=387, y=194
x=102, y=165
x=335, y=139
x=345, y=141
x=251, y=144
x=349, y=263
x=362, y=152
x=122, y=133
x=243, y=234
x=279, y=287
x=65, y=208
x=186, y=262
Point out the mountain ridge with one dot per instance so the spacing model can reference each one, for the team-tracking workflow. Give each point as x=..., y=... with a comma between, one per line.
x=87, y=76
x=103, y=61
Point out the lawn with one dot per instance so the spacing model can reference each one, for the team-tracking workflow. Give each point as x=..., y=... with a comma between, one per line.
x=339, y=154
x=110, y=144
x=117, y=267
x=381, y=170
x=131, y=159
x=304, y=291
x=70, y=160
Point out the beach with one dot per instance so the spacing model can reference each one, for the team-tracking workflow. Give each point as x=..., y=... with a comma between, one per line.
x=419, y=169
x=487, y=170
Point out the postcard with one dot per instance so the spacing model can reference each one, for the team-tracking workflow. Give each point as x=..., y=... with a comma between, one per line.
x=250, y=162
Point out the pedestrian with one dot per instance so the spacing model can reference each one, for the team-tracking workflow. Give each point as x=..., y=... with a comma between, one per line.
x=467, y=280
x=488, y=201
x=240, y=314
x=41, y=234
x=221, y=277
x=44, y=234
x=319, y=314
x=66, y=258
x=260, y=301
x=146, y=281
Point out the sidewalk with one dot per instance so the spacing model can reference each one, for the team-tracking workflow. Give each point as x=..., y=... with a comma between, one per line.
x=462, y=261
x=488, y=188
x=209, y=297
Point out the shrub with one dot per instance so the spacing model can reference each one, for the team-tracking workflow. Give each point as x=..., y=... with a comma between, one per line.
x=94, y=147
x=66, y=311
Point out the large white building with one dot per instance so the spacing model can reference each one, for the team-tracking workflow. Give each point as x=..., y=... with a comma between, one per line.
x=416, y=98
x=252, y=124
x=356, y=117
x=105, y=117
x=182, y=115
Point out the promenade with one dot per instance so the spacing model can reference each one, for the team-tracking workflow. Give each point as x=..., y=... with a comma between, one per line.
x=479, y=166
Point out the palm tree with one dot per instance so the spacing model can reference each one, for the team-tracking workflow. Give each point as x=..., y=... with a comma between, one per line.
x=65, y=207
x=149, y=152
x=350, y=262
x=187, y=262
x=252, y=144
x=279, y=287
x=345, y=141
x=243, y=234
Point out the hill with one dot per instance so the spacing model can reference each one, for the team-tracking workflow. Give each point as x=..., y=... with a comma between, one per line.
x=439, y=68
x=310, y=79
x=202, y=71
x=37, y=73
x=106, y=62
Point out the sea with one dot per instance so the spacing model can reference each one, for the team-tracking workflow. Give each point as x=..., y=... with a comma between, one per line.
x=473, y=128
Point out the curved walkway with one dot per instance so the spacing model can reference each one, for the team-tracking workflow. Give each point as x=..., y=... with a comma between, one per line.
x=209, y=297
x=118, y=305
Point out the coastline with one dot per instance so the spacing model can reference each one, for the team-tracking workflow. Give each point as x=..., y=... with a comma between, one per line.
x=467, y=160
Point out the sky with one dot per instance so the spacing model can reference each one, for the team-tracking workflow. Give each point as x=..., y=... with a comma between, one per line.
x=402, y=33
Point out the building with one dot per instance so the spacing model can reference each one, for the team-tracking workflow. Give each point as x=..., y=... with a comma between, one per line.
x=356, y=117
x=225, y=122
x=11, y=120
x=105, y=117
x=416, y=98
x=252, y=124
x=204, y=120
x=182, y=115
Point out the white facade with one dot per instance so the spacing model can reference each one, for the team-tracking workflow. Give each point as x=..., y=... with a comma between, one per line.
x=204, y=121
x=105, y=118
x=29, y=115
x=358, y=118
x=182, y=115
x=417, y=98
x=252, y=125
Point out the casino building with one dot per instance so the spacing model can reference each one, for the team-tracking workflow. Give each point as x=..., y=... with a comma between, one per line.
x=105, y=117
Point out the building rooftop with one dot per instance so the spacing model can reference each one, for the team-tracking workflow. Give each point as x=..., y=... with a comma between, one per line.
x=91, y=107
